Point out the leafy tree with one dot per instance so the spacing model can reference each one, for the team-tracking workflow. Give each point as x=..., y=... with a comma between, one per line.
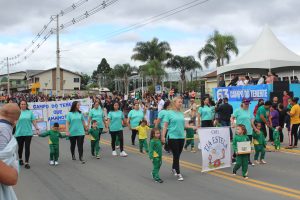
x=124, y=71
x=154, y=69
x=85, y=79
x=101, y=74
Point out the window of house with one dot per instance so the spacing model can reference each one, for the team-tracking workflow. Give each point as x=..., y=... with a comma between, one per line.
x=76, y=88
x=36, y=79
x=76, y=80
x=18, y=82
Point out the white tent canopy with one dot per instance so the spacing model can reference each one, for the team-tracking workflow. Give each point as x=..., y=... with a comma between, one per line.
x=266, y=54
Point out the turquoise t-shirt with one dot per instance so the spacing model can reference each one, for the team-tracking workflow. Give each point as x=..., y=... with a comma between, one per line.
x=98, y=115
x=24, y=124
x=135, y=117
x=244, y=117
x=206, y=112
x=76, y=127
x=175, y=121
x=116, y=118
x=261, y=111
x=161, y=116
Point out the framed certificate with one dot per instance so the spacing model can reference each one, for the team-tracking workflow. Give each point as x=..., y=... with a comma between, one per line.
x=244, y=147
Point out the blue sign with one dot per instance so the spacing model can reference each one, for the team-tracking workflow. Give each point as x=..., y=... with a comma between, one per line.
x=157, y=89
x=237, y=93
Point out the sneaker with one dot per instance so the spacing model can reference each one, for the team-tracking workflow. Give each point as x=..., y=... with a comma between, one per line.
x=174, y=172
x=184, y=149
x=246, y=177
x=55, y=163
x=263, y=162
x=82, y=161
x=180, y=177
x=114, y=153
x=250, y=163
x=27, y=166
x=193, y=150
x=234, y=163
x=21, y=162
x=256, y=162
x=123, y=154
x=117, y=147
x=98, y=156
x=51, y=162
x=159, y=181
x=233, y=173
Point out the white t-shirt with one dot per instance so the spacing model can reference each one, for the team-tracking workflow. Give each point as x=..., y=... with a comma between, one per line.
x=160, y=105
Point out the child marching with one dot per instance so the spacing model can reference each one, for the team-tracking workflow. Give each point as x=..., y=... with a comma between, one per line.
x=241, y=159
x=142, y=132
x=189, y=138
x=259, y=142
x=276, y=137
x=155, y=154
x=95, y=138
x=53, y=141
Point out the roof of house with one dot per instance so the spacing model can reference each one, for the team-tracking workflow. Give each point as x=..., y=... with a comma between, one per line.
x=211, y=74
x=43, y=71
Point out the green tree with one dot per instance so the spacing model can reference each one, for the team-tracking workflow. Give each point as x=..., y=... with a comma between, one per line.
x=101, y=74
x=152, y=50
x=154, y=69
x=124, y=71
x=85, y=79
x=183, y=64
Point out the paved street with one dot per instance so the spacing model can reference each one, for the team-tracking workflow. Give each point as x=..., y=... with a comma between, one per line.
x=116, y=178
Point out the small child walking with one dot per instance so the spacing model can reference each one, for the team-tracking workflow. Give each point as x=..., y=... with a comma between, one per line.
x=143, y=135
x=155, y=154
x=53, y=142
x=259, y=142
x=95, y=138
x=189, y=138
x=276, y=137
x=241, y=159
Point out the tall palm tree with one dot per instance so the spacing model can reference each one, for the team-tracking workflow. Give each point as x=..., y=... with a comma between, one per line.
x=124, y=71
x=152, y=50
x=154, y=69
x=183, y=64
x=218, y=48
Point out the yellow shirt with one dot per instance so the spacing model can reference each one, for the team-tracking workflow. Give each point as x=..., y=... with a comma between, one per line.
x=295, y=114
x=143, y=132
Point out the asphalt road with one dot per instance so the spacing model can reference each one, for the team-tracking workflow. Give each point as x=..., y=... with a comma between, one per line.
x=117, y=178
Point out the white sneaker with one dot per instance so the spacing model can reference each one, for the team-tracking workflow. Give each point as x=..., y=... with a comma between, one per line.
x=180, y=178
x=55, y=163
x=174, y=172
x=51, y=162
x=123, y=154
x=114, y=153
x=117, y=147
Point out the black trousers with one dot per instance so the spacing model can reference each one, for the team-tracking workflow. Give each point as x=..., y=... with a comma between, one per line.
x=176, y=146
x=271, y=134
x=293, y=137
x=207, y=123
x=21, y=141
x=114, y=135
x=133, y=136
x=79, y=140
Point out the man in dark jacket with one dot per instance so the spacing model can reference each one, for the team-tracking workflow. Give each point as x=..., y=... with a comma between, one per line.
x=225, y=111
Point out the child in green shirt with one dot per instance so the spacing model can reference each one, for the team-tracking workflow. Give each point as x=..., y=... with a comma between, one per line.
x=53, y=142
x=259, y=142
x=276, y=137
x=189, y=138
x=95, y=138
x=155, y=154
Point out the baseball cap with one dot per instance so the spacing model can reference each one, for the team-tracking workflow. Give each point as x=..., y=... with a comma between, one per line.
x=246, y=101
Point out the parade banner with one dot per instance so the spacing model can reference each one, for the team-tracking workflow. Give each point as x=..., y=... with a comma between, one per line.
x=215, y=148
x=237, y=93
x=47, y=113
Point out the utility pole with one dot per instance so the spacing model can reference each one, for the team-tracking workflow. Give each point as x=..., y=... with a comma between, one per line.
x=57, y=58
x=8, y=79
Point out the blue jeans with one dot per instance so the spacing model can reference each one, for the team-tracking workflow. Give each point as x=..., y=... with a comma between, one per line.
x=227, y=123
x=186, y=103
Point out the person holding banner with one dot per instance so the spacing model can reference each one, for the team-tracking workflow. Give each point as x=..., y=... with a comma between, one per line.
x=115, y=121
x=24, y=133
x=96, y=113
x=174, y=124
x=75, y=129
x=134, y=118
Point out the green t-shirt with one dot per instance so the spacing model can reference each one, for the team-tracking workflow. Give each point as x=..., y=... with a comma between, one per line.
x=261, y=111
x=161, y=116
x=98, y=115
x=190, y=132
x=206, y=112
x=244, y=117
x=94, y=133
x=135, y=117
x=24, y=124
x=175, y=122
x=76, y=127
x=53, y=136
x=116, y=118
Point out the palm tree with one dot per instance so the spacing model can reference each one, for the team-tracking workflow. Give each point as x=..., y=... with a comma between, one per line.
x=124, y=71
x=183, y=64
x=152, y=50
x=218, y=48
x=154, y=69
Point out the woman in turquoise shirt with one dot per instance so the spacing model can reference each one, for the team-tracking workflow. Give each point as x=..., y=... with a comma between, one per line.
x=96, y=113
x=134, y=118
x=115, y=122
x=174, y=123
x=75, y=128
x=206, y=114
x=24, y=133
